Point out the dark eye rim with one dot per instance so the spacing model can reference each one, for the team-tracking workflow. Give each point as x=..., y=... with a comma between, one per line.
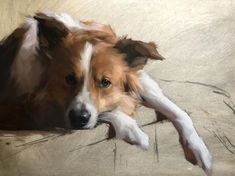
x=105, y=83
x=71, y=79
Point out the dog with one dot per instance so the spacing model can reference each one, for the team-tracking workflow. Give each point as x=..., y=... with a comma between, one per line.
x=58, y=71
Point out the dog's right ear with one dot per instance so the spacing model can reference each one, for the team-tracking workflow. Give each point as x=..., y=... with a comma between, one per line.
x=137, y=52
x=50, y=31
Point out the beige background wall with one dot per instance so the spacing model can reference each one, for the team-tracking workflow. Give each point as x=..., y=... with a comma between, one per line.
x=197, y=38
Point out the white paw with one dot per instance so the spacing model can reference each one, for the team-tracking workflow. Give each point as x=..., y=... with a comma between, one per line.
x=126, y=128
x=144, y=141
x=134, y=135
x=197, y=153
x=204, y=157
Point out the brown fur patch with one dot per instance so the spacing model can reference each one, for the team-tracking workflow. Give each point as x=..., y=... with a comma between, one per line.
x=108, y=63
x=9, y=48
x=59, y=51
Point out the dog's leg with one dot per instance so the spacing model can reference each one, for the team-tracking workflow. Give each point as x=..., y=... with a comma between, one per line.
x=126, y=128
x=194, y=148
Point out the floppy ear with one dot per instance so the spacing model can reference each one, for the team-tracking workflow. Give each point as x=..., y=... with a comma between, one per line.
x=137, y=52
x=50, y=31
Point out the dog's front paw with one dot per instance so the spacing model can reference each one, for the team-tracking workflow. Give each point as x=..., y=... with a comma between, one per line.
x=133, y=135
x=126, y=128
x=196, y=152
x=142, y=139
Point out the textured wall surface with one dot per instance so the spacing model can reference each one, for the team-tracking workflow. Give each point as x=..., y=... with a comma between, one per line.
x=197, y=38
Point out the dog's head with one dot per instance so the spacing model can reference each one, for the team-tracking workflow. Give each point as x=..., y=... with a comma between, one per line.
x=90, y=70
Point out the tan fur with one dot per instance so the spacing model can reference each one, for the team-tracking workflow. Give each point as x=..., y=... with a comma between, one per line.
x=59, y=54
x=108, y=63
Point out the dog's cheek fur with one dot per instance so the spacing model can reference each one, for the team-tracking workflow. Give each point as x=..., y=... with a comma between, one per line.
x=56, y=90
x=132, y=82
x=64, y=61
x=112, y=97
x=48, y=105
x=107, y=62
x=128, y=104
x=115, y=99
x=132, y=86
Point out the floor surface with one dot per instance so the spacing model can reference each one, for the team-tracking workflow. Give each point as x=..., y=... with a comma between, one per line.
x=196, y=37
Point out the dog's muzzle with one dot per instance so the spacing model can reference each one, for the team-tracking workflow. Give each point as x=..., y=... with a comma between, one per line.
x=81, y=115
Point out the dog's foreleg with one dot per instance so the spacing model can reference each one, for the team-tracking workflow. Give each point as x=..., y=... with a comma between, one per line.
x=194, y=148
x=126, y=128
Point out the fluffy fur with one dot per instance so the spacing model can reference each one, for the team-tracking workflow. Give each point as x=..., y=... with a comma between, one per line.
x=54, y=66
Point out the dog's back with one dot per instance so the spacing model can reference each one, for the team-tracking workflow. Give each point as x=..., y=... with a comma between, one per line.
x=9, y=48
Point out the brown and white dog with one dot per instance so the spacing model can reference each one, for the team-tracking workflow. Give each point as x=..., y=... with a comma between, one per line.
x=59, y=72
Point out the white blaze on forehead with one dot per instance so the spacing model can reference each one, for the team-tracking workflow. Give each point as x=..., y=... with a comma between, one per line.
x=86, y=56
x=84, y=97
x=85, y=61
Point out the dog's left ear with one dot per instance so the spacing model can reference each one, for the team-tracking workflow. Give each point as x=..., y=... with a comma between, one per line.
x=137, y=52
x=50, y=31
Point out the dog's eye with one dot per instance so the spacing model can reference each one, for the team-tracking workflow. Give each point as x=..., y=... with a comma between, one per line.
x=105, y=83
x=71, y=79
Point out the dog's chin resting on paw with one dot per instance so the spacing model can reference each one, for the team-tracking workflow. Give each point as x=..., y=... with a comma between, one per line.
x=56, y=71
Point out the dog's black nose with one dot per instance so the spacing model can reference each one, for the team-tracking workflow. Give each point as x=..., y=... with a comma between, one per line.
x=79, y=118
x=84, y=116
